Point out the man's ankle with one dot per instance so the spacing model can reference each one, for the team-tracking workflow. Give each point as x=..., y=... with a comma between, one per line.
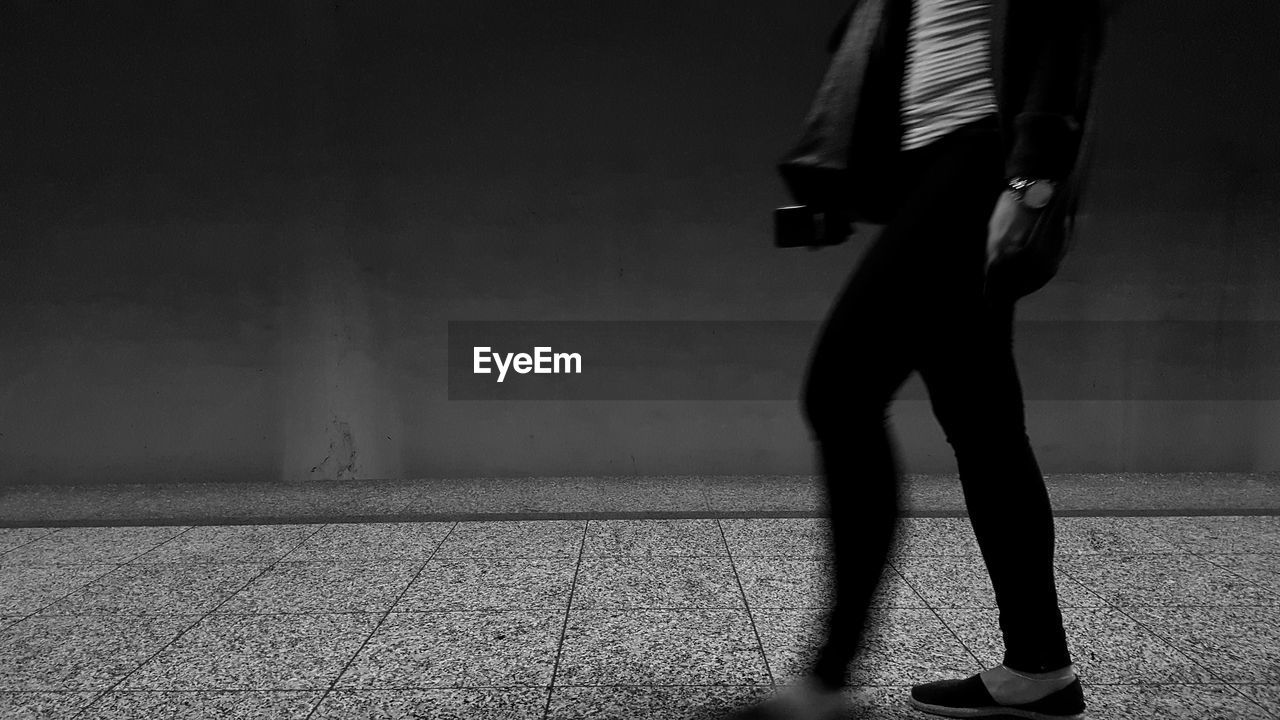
x=1038, y=663
x=1014, y=687
x=1063, y=671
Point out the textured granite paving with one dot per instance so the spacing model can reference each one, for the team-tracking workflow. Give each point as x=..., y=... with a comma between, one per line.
x=686, y=618
x=578, y=498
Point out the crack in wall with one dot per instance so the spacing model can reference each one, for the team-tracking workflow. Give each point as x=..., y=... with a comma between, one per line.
x=342, y=452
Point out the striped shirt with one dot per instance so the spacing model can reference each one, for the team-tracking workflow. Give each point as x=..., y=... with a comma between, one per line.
x=947, y=82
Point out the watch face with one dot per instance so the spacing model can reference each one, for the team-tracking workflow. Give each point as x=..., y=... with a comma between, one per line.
x=1037, y=195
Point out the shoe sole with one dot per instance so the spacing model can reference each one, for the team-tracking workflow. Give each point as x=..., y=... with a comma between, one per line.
x=995, y=711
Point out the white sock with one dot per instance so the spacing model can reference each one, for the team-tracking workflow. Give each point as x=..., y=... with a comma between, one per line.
x=1014, y=687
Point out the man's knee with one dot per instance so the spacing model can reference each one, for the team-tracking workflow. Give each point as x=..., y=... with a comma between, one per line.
x=836, y=403
x=986, y=436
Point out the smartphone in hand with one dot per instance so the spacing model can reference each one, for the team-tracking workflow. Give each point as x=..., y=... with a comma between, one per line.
x=807, y=226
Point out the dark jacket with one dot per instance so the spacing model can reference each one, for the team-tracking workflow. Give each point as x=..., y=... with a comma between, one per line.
x=1043, y=58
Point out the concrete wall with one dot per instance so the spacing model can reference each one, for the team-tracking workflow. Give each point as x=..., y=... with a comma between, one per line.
x=233, y=234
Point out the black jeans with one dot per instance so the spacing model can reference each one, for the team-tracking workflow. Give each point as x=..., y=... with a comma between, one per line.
x=915, y=303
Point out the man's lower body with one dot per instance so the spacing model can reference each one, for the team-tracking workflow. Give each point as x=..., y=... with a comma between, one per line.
x=915, y=303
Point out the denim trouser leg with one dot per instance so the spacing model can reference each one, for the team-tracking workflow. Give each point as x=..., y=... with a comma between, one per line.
x=915, y=303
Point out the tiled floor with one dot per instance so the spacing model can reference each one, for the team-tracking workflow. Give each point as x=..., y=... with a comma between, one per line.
x=1169, y=617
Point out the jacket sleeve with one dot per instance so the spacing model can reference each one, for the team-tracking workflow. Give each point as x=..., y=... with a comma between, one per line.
x=1049, y=126
x=837, y=33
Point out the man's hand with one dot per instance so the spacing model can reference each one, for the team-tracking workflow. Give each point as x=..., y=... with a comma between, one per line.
x=1010, y=223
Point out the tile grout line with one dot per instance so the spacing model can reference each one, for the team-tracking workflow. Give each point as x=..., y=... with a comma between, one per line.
x=1169, y=643
x=1181, y=550
x=116, y=567
x=199, y=620
x=893, y=563
x=51, y=531
x=564, y=629
x=376, y=626
x=1059, y=571
x=1250, y=700
x=1266, y=590
x=755, y=630
x=1107, y=605
x=1120, y=609
x=893, y=560
x=78, y=588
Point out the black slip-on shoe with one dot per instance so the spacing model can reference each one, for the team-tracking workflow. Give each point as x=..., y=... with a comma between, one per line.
x=968, y=698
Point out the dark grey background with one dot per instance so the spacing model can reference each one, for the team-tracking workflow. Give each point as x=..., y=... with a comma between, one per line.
x=232, y=234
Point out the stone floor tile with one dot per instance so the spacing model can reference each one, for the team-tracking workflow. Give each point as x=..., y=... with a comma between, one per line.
x=1169, y=702
x=934, y=536
x=653, y=537
x=80, y=653
x=231, y=543
x=1106, y=536
x=447, y=584
x=205, y=705
x=324, y=587
x=651, y=702
x=27, y=588
x=514, y=539
x=660, y=647
x=92, y=545
x=1262, y=570
x=807, y=538
x=1219, y=534
x=373, y=541
x=1237, y=644
x=1196, y=603
x=1266, y=696
x=962, y=581
x=872, y=702
x=11, y=538
x=776, y=582
x=883, y=703
x=1164, y=579
x=1106, y=645
x=903, y=646
x=257, y=652
x=656, y=582
x=795, y=583
x=157, y=590
x=42, y=705
x=490, y=703
x=458, y=649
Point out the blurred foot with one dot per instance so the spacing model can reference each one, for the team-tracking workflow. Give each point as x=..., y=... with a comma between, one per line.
x=806, y=699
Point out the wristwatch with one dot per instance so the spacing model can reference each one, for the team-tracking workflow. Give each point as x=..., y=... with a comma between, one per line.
x=1032, y=192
